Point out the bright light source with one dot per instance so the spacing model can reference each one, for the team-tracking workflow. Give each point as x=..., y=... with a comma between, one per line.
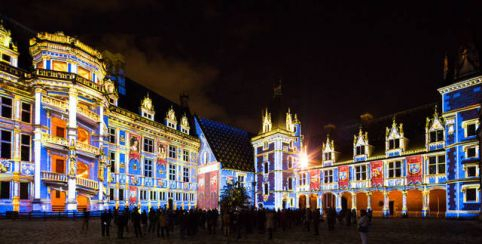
x=304, y=160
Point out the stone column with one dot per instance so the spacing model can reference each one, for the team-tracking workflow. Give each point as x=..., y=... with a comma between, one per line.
x=338, y=202
x=353, y=201
x=102, y=161
x=37, y=144
x=404, y=203
x=425, y=202
x=369, y=200
x=16, y=161
x=72, y=159
x=320, y=203
x=386, y=200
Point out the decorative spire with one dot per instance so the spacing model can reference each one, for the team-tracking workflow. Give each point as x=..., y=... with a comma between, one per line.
x=446, y=66
x=278, y=89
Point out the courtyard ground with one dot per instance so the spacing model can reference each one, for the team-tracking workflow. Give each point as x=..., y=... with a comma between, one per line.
x=390, y=231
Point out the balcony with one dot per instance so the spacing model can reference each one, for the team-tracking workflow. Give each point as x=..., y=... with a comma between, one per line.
x=55, y=177
x=46, y=138
x=87, y=183
x=55, y=103
x=87, y=113
x=87, y=148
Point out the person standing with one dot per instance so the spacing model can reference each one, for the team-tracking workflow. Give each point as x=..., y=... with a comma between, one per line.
x=226, y=223
x=120, y=225
x=331, y=218
x=152, y=220
x=316, y=220
x=85, y=223
x=144, y=221
x=136, y=221
x=105, y=219
x=270, y=224
x=363, y=226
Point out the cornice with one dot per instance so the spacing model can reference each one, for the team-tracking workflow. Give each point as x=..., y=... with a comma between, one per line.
x=460, y=85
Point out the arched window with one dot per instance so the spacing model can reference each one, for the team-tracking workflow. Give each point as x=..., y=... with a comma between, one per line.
x=290, y=162
x=266, y=167
x=266, y=189
x=290, y=183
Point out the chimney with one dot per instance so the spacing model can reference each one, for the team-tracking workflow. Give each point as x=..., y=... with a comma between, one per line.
x=184, y=100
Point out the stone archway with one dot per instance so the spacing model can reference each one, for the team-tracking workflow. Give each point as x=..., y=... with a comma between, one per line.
x=395, y=203
x=302, y=201
x=329, y=200
x=414, y=203
x=57, y=200
x=313, y=201
x=377, y=203
x=437, y=203
x=346, y=201
x=361, y=201
x=83, y=203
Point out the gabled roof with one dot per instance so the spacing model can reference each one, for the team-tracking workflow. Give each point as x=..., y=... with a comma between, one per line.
x=135, y=93
x=231, y=146
x=413, y=120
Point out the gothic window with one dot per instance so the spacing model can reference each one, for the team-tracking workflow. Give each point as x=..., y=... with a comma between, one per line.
x=290, y=183
x=327, y=156
x=25, y=143
x=112, y=161
x=436, y=136
x=26, y=112
x=6, y=107
x=436, y=164
x=360, y=172
x=360, y=150
x=5, y=144
x=266, y=167
x=5, y=190
x=112, y=136
x=172, y=152
x=265, y=189
x=471, y=152
x=471, y=129
x=290, y=162
x=328, y=176
x=471, y=171
x=185, y=174
x=172, y=172
x=148, y=145
x=393, y=144
x=24, y=192
x=148, y=168
x=395, y=169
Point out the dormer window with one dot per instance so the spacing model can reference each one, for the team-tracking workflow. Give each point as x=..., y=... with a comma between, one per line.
x=328, y=150
x=328, y=156
x=393, y=144
x=171, y=120
x=436, y=136
x=184, y=125
x=394, y=137
x=147, y=109
x=360, y=150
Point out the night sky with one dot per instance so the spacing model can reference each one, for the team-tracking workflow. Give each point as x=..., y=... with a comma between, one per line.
x=336, y=61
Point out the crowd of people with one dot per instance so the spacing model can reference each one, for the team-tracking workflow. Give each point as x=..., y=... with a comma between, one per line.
x=233, y=224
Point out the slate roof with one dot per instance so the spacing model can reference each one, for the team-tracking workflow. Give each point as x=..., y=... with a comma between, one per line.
x=136, y=92
x=231, y=146
x=413, y=121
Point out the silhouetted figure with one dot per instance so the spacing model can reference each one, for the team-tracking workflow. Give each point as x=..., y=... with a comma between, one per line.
x=331, y=219
x=121, y=220
x=316, y=220
x=136, y=221
x=270, y=224
x=105, y=220
x=363, y=226
x=85, y=223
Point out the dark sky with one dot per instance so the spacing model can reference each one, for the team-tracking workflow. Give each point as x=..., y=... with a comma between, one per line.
x=336, y=61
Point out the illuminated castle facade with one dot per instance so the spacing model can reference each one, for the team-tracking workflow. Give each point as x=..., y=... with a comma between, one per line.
x=75, y=133
x=419, y=162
